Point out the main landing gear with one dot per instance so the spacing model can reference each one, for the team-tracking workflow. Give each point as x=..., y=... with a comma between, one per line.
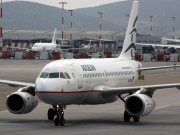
x=57, y=111
x=127, y=117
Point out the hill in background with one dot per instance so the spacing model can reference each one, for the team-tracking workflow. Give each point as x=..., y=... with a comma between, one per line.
x=33, y=16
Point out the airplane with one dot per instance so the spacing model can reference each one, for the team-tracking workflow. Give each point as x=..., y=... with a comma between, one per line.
x=88, y=46
x=39, y=47
x=90, y=82
x=160, y=45
x=170, y=46
x=168, y=39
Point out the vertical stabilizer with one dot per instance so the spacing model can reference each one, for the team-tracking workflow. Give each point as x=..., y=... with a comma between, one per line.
x=54, y=36
x=129, y=47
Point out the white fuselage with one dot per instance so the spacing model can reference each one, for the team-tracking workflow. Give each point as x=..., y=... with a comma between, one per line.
x=39, y=47
x=86, y=80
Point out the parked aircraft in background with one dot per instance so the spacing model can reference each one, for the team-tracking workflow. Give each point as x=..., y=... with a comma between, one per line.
x=39, y=47
x=160, y=45
x=168, y=39
x=90, y=81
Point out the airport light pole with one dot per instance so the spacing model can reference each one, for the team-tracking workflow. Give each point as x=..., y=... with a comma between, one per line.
x=63, y=3
x=174, y=19
x=100, y=24
x=71, y=24
x=151, y=23
x=1, y=25
x=127, y=16
x=70, y=10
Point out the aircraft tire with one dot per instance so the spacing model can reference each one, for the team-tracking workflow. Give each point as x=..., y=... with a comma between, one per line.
x=62, y=121
x=127, y=117
x=51, y=113
x=56, y=121
x=136, y=119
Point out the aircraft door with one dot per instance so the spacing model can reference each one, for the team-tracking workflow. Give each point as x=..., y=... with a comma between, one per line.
x=80, y=78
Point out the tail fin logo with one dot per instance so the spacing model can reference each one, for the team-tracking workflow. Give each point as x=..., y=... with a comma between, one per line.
x=132, y=45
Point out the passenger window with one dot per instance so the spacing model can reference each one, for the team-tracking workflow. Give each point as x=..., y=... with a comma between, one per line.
x=54, y=75
x=67, y=75
x=62, y=75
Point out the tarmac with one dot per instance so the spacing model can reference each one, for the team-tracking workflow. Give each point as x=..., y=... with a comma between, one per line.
x=104, y=119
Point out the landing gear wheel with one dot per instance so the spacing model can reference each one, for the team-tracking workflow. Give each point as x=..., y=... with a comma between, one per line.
x=56, y=121
x=51, y=114
x=62, y=121
x=127, y=117
x=136, y=119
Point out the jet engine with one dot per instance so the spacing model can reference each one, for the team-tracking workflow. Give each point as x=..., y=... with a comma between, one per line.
x=139, y=105
x=21, y=102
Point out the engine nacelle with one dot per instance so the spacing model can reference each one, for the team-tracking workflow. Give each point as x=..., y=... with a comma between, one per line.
x=21, y=102
x=139, y=105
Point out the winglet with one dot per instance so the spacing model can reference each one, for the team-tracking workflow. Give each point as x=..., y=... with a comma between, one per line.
x=54, y=37
x=128, y=51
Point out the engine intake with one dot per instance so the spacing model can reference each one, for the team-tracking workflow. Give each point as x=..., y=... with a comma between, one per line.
x=21, y=102
x=139, y=105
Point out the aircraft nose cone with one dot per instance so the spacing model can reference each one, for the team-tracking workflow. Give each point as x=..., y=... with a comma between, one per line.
x=47, y=85
x=44, y=85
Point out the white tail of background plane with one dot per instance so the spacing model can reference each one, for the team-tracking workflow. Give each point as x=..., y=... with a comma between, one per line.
x=129, y=47
x=54, y=37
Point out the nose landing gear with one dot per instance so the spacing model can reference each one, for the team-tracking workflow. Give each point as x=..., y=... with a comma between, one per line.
x=59, y=120
x=59, y=112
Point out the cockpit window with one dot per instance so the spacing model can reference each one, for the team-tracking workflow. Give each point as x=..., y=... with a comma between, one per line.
x=54, y=75
x=67, y=75
x=62, y=75
x=44, y=75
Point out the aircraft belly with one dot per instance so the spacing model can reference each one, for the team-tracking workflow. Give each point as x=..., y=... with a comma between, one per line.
x=63, y=99
x=78, y=97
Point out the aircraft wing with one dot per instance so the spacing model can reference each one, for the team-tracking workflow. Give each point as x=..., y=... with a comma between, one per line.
x=112, y=91
x=159, y=45
x=160, y=67
x=62, y=45
x=16, y=83
x=18, y=48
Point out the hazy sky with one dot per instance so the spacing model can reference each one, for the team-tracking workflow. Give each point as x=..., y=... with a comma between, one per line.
x=71, y=4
